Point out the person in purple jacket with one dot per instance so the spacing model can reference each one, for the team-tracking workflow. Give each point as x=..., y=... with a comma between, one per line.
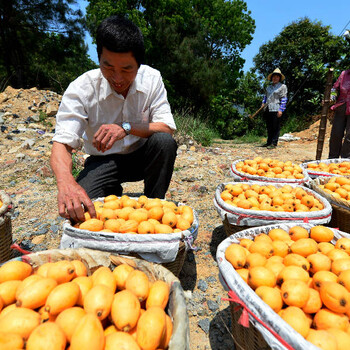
x=274, y=101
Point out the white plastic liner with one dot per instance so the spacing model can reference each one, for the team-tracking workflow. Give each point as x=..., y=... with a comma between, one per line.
x=158, y=248
x=247, y=217
x=239, y=175
x=231, y=280
x=315, y=173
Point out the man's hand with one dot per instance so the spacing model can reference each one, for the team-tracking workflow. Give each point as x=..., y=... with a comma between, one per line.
x=73, y=201
x=279, y=114
x=106, y=135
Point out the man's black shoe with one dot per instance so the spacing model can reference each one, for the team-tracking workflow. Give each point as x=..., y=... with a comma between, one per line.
x=266, y=145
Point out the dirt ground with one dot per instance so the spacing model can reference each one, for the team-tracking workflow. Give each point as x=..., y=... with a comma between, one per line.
x=25, y=174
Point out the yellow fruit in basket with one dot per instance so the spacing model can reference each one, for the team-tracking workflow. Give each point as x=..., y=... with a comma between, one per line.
x=121, y=340
x=292, y=273
x=129, y=226
x=279, y=234
x=47, y=335
x=336, y=254
x=168, y=333
x=342, y=338
x=314, y=302
x=332, y=186
x=169, y=219
x=35, y=294
x=92, y=225
x=304, y=247
x=98, y=301
x=275, y=267
x=85, y=284
x=262, y=237
x=130, y=202
x=112, y=205
x=343, y=243
x=319, y=262
x=325, y=319
x=107, y=214
x=158, y=295
x=162, y=228
x=80, y=268
x=308, y=200
x=342, y=180
x=295, y=292
x=296, y=260
x=10, y=341
x=226, y=195
x=142, y=200
x=125, y=311
x=264, y=248
x=124, y=213
x=321, y=277
x=344, y=279
x=255, y=259
x=322, y=339
x=42, y=269
x=8, y=291
x=110, y=198
x=335, y=297
x=62, y=297
x=321, y=233
x=235, y=254
x=342, y=192
x=103, y=275
x=340, y=265
x=145, y=227
x=244, y=204
x=68, y=320
x=151, y=328
x=26, y=282
x=88, y=334
x=139, y=215
x=325, y=247
x=156, y=213
x=7, y=309
x=245, y=242
x=280, y=248
x=153, y=202
x=261, y=276
x=121, y=273
x=21, y=321
x=15, y=270
x=243, y=274
x=297, y=319
x=62, y=271
x=271, y=296
x=138, y=283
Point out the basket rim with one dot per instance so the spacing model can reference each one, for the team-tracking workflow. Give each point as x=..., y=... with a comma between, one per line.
x=6, y=200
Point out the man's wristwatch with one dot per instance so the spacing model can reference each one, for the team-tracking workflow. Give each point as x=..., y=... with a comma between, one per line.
x=127, y=127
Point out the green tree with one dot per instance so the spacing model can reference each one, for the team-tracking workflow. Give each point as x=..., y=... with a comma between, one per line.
x=41, y=43
x=303, y=51
x=196, y=44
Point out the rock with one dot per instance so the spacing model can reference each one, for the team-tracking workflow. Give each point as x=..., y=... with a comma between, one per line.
x=212, y=305
x=38, y=239
x=51, y=109
x=202, y=285
x=204, y=324
x=27, y=144
x=183, y=148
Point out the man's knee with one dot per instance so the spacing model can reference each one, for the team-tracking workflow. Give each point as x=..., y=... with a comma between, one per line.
x=163, y=140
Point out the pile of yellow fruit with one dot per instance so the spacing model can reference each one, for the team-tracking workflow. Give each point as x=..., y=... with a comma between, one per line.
x=269, y=197
x=268, y=167
x=342, y=168
x=143, y=215
x=303, y=277
x=59, y=305
x=1, y=203
x=338, y=187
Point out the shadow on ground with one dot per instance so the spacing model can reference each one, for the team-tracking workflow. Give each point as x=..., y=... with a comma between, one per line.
x=217, y=237
x=220, y=336
x=188, y=274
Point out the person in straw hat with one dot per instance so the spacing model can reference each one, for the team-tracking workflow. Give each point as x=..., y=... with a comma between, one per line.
x=274, y=102
x=339, y=141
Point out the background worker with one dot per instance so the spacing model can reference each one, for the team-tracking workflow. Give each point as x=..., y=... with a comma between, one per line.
x=275, y=101
x=121, y=112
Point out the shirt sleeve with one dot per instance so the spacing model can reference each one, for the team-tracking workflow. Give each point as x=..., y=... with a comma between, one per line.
x=71, y=118
x=159, y=106
x=264, y=99
x=283, y=99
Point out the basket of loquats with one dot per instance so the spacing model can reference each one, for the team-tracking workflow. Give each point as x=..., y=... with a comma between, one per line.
x=92, y=300
x=288, y=286
x=156, y=230
x=242, y=205
x=336, y=190
x=327, y=167
x=5, y=226
x=268, y=170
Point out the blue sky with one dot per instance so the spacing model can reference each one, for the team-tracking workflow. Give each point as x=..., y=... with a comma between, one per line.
x=271, y=16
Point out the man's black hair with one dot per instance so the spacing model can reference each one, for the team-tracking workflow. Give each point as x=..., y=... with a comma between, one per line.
x=119, y=34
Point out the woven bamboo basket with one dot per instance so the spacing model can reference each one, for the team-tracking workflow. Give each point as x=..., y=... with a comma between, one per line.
x=245, y=338
x=232, y=229
x=5, y=228
x=93, y=259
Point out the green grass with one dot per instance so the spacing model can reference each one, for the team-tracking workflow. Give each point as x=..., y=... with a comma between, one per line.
x=195, y=127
